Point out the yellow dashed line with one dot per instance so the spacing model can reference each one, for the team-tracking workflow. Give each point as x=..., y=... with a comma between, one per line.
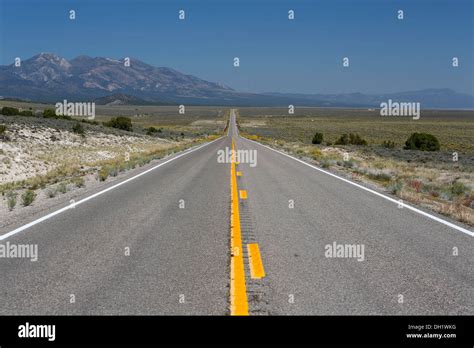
x=239, y=173
x=243, y=194
x=238, y=290
x=255, y=262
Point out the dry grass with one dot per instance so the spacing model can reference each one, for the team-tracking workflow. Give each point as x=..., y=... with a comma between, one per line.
x=454, y=129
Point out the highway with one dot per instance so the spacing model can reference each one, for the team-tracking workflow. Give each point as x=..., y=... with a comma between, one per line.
x=195, y=236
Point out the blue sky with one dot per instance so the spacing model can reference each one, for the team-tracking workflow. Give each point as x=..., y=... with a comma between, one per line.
x=278, y=55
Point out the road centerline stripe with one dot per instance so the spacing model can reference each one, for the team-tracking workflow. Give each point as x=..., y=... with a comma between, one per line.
x=238, y=289
x=243, y=194
x=255, y=261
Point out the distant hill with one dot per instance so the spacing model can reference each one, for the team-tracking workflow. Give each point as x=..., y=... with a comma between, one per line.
x=429, y=98
x=47, y=77
x=122, y=99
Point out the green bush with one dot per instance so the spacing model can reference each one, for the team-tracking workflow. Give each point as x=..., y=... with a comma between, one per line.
x=343, y=140
x=396, y=187
x=317, y=138
x=28, y=197
x=422, y=142
x=49, y=113
x=350, y=139
x=348, y=164
x=123, y=123
x=355, y=139
x=3, y=129
x=379, y=176
x=325, y=163
x=458, y=188
x=78, y=128
x=9, y=111
x=62, y=187
x=25, y=113
x=388, y=144
x=151, y=131
x=11, y=200
x=123, y=166
x=95, y=123
x=103, y=173
x=447, y=195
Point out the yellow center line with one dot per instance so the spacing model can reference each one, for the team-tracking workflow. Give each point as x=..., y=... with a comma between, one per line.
x=255, y=261
x=238, y=290
x=239, y=173
x=243, y=194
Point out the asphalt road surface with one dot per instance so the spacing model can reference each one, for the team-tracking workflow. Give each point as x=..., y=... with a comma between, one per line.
x=160, y=244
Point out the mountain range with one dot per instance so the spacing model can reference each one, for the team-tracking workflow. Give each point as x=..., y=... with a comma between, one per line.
x=47, y=77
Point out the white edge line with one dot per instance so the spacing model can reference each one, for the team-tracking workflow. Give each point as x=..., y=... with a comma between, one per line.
x=447, y=223
x=72, y=205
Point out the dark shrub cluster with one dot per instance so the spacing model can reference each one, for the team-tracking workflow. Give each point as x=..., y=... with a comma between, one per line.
x=350, y=139
x=123, y=123
x=90, y=122
x=51, y=113
x=151, y=131
x=78, y=128
x=388, y=144
x=9, y=111
x=3, y=135
x=422, y=142
x=317, y=138
x=28, y=197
